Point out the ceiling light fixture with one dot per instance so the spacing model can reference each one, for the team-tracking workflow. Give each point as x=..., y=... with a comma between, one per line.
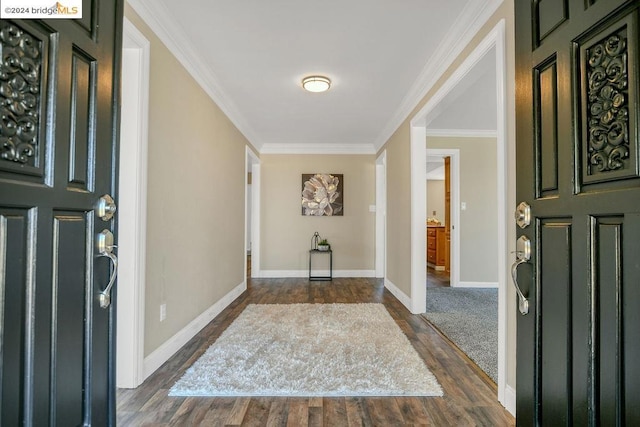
x=316, y=83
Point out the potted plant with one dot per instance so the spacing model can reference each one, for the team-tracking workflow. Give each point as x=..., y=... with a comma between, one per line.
x=323, y=245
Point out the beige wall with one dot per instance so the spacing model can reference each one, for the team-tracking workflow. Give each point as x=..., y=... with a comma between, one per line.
x=398, y=269
x=195, y=201
x=479, y=221
x=435, y=199
x=399, y=177
x=286, y=233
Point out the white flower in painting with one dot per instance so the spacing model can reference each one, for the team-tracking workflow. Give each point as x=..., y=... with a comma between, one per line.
x=319, y=194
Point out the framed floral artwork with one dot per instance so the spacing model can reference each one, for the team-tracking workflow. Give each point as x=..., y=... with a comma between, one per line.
x=322, y=194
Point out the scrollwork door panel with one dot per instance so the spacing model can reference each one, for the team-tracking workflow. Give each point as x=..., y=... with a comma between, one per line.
x=609, y=105
x=24, y=51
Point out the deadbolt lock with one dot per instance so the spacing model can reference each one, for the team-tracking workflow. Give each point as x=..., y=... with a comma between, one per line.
x=523, y=215
x=106, y=207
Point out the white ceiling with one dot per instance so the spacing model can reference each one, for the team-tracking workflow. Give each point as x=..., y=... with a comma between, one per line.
x=382, y=57
x=472, y=104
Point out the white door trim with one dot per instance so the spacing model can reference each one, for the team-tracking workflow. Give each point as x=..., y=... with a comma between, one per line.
x=132, y=208
x=454, y=154
x=495, y=39
x=505, y=228
x=252, y=158
x=381, y=215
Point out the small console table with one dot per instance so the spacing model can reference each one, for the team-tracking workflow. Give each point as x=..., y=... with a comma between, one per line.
x=329, y=252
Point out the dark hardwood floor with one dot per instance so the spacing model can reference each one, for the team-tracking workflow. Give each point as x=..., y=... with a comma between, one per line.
x=437, y=279
x=469, y=395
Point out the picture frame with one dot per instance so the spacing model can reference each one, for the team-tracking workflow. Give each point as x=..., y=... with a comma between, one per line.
x=322, y=194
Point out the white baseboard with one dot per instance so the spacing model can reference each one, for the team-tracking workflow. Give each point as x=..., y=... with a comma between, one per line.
x=402, y=297
x=509, y=400
x=172, y=345
x=277, y=274
x=476, y=285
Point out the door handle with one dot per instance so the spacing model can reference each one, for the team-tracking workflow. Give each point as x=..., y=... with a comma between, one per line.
x=105, y=249
x=523, y=255
x=106, y=207
x=522, y=215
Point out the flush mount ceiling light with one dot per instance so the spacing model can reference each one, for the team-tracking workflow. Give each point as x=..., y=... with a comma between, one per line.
x=316, y=83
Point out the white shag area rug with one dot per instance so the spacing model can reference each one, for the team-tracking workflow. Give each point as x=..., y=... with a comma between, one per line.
x=310, y=350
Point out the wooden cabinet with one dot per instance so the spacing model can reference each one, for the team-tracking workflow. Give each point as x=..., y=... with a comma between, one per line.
x=436, y=247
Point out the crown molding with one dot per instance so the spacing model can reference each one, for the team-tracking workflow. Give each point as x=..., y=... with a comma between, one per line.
x=463, y=133
x=275, y=148
x=158, y=18
x=470, y=21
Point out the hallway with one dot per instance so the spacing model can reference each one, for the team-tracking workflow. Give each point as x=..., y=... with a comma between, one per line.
x=469, y=399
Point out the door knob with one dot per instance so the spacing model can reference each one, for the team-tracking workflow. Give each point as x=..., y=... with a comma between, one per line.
x=105, y=248
x=523, y=215
x=523, y=255
x=106, y=207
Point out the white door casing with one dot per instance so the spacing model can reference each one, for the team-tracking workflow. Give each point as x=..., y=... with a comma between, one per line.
x=132, y=208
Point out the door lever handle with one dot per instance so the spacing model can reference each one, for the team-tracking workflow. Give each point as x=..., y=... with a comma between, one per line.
x=523, y=302
x=105, y=295
x=105, y=249
x=523, y=255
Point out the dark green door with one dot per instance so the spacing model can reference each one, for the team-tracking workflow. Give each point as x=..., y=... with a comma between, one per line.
x=578, y=164
x=58, y=102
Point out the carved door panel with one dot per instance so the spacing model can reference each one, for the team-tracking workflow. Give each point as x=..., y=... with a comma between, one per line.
x=58, y=97
x=578, y=166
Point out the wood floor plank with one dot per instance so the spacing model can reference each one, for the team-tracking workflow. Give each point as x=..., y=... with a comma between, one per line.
x=298, y=415
x=357, y=412
x=385, y=412
x=278, y=413
x=156, y=419
x=191, y=412
x=413, y=411
x=315, y=416
x=218, y=412
x=257, y=412
x=316, y=402
x=469, y=398
x=159, y=402
x=441, y=413
x=238, y=411
x=334, y=411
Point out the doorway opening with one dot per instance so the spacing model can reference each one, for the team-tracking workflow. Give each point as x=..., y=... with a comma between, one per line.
x=454, y=220
x=493, y=44
x=252, y=215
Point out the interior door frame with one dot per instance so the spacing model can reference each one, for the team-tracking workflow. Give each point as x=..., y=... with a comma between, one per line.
x=418, y=134
x=251, y=158
x=132, y=209
x=381, y=215
x=454, y=154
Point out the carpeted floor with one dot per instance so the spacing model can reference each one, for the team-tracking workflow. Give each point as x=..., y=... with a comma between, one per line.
x=310, y=350
x=469, y=318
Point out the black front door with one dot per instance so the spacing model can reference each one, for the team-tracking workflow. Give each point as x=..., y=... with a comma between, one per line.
x=578, y=164
x=58, y=102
